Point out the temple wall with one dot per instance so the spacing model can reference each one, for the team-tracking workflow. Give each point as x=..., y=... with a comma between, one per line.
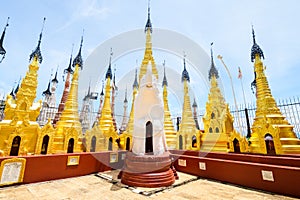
x=51, y=167
x=266, y=173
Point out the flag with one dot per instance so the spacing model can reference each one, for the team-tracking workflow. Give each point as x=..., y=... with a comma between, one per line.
x=240, y=74
x=94, y=95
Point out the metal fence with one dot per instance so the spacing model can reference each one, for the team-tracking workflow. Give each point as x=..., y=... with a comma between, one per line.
x=289, y=107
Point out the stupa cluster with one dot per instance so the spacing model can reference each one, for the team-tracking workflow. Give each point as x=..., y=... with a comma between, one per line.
x=29, y=129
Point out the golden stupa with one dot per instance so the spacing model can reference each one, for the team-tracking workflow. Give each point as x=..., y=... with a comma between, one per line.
x=188, y=136
x=126, y=136
x=19, y=129
x=271, y=132
x=171, y=134
x=103, y=136
x=68, y=133
x=219, y=133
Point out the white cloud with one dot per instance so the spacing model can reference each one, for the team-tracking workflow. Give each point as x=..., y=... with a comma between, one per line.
x=85, y=9
x=94, y=10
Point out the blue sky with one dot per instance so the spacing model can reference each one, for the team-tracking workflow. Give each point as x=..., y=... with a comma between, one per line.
x=226, y=23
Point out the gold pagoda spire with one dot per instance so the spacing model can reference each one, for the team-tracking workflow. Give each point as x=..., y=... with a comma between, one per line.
x=125, y=117
x=148, y=57
x=66, y=90
x=271, y=132
x=68, y=128
x=19, y=129
x=103, y=135
x=135, y=87
x=100, y=104
x=195, y=114
x=217, y=120
x=27, y=91
x=70, y=116
x=106, y=120
x=113, y=96
x=171, y=135
x=189, y=136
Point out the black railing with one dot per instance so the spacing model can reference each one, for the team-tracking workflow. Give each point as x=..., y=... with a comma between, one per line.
x=289, y=107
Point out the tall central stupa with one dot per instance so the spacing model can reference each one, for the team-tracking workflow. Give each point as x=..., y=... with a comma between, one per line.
x=148, y=164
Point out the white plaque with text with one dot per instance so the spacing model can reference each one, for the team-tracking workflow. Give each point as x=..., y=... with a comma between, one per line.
x=182, y=162
x=202, y=165
x=123, y=156
x=11, y=172
x=267, y=175
x=73, y=160
x=113, y=157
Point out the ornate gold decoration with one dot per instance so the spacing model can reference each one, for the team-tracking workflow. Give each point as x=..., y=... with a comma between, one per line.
x=217, y=120
x=47, y=130
x=21, y=114
x=148, y=57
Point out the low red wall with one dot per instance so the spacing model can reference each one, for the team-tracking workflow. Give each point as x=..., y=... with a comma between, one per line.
x=50, y=167
x=248, y=174
x=282, y=160
x=240, y=169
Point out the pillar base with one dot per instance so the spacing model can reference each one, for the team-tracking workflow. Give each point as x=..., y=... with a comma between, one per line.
x=147, y=171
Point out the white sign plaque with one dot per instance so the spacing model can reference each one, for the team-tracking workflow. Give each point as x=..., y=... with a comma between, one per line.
x=123, y=156
x=202, y=165
x=113, y=157
x=267, y=175
x=11, y=172
x=182, y=162
x=73, y=160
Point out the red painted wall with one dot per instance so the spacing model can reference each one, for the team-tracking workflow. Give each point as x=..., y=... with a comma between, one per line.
x=248, y=174
x=50, y=167
x=240, y=169
x=285, y=160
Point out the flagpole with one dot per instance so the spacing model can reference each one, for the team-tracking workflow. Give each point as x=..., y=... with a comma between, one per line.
x=241, y=78
x=236, y=107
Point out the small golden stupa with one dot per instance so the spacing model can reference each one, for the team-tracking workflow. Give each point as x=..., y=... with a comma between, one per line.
x=271, y=132
x=103, y=136
x=219, y=133
x=188, y=136
x=68, y=133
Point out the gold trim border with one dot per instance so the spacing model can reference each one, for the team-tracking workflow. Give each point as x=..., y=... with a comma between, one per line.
x=12, y=160
x=73, y=160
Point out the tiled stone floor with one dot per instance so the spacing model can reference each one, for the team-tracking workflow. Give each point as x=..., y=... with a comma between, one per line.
x=94, y=187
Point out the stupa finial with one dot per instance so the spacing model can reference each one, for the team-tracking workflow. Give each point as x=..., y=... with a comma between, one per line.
x=109, y=72
x=2, y=50
x=135, y=83
x=255, y=50
x=148, y=24
x=213, y=70
x=69, y=69
x=78, y=58
x=165, y=81
x=185, y=74
x=37, y=52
